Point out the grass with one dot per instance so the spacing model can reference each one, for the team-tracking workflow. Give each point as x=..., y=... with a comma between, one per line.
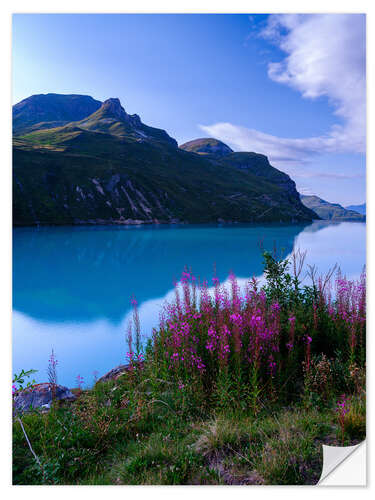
x=168, y=446
x=235, y=388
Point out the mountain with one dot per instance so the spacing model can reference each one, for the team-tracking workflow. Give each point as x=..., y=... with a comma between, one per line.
x=110, y=168
x=113, y=124
x=207, y=147
x=361, y=209
x=331, y=211
x=111, y=118
x=51, y=110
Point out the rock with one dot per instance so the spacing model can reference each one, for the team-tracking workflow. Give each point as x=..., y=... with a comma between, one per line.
x=40, y=396
x=115, y=373
x=113, y=107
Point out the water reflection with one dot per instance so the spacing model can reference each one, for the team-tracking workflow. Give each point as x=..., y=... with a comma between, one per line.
x=71, y=286
x=80, y=274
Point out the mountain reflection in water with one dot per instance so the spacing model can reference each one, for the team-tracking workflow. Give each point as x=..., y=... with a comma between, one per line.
x=72, y=285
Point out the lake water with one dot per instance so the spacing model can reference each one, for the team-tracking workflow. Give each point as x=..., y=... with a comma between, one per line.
x=72, y=285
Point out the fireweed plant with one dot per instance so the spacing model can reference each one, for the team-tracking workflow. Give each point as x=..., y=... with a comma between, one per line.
x=52, y=373
x=234, y=347
x=342, y=409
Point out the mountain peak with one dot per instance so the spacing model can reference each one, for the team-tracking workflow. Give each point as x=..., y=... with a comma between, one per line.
x=52, y=110
x=207, y=146
x=113, y=106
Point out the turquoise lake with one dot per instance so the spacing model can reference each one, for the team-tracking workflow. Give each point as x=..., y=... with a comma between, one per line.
x=72, y=285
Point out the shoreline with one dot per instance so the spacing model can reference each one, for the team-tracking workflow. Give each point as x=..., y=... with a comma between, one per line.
x=138, y=224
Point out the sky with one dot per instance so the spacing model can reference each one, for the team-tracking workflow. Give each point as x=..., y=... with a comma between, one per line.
x=292, y=87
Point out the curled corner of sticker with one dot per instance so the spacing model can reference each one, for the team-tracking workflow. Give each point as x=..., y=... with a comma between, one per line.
x=344, y=465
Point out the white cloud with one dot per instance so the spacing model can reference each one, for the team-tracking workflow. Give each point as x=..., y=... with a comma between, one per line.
x=279, y=149
x=325, y=56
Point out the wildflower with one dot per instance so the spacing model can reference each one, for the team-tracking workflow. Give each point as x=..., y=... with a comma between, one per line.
x=79, y=381
x=342, y=408
x=212, y=339
x=185, y=277
x=215, y=281
x=271, y=365
x=237, y=319
x=51, y=370
x=342, y=405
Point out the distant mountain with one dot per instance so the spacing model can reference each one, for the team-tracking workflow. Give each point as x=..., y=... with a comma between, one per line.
x=361, y=209
x=207, y=146
x=331, y=211
x=110, y=168
x=51, y=110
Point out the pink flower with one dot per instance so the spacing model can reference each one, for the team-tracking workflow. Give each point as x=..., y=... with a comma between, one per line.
x=342, y=406
x=79, y=381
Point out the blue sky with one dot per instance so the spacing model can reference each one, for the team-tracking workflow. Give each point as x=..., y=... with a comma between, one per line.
x=278, y=85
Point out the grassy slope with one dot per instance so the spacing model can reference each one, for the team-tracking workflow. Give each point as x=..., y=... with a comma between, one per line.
x=175, y=183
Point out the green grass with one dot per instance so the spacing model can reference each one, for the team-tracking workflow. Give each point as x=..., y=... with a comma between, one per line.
x=135, y=431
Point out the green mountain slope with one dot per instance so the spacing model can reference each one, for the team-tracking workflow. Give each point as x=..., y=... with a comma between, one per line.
x=51, y=110
x=111, y=168
x=331, y=211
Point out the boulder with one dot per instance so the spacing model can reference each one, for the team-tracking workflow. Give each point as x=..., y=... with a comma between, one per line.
x=115, y=373
x=40, y=396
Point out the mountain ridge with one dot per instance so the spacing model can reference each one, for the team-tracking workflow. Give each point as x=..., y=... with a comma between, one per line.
x=331, y=211
x=361, y=209
x=110, y=168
